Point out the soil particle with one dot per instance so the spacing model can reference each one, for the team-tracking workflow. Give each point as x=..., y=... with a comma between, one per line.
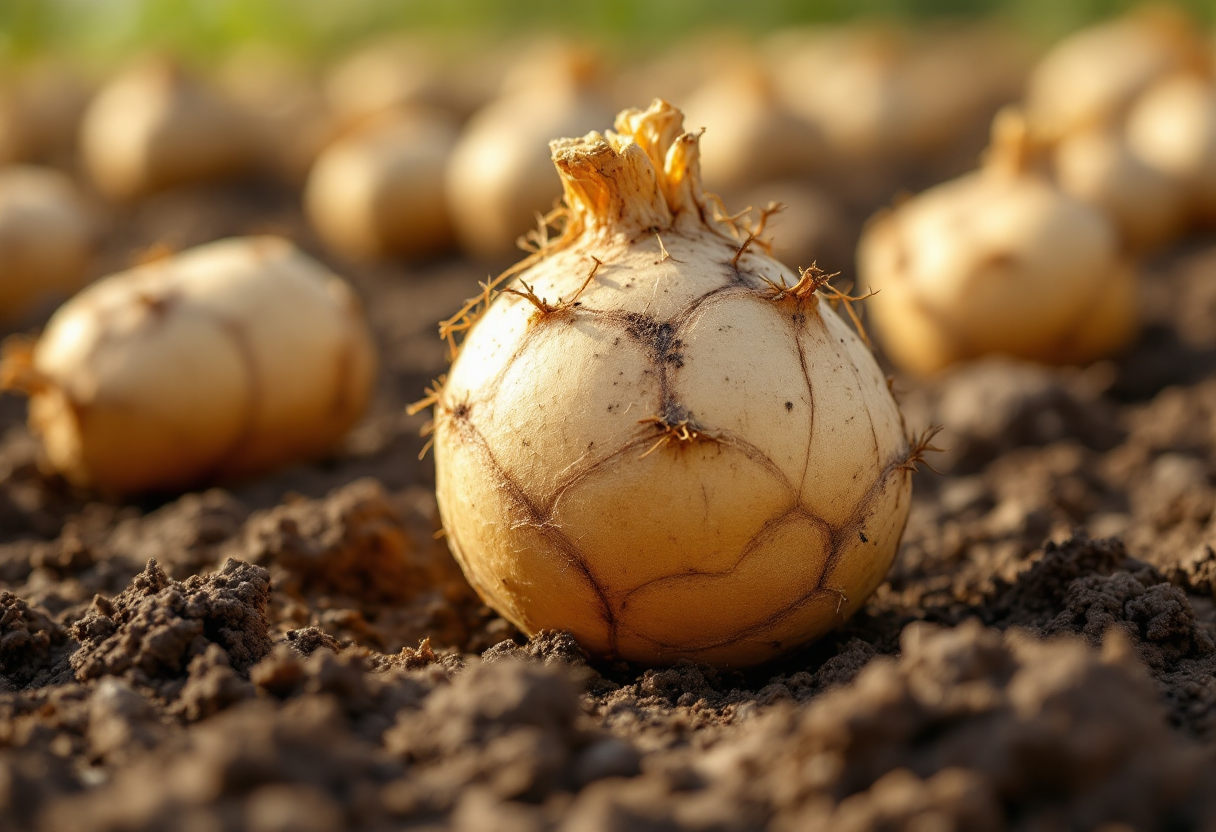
x=993, y=405
x=510, y=726
x=242, y=770
x=31, y=645
x=354, y=543
x=368, y=561
x=1053, y=735
x=158, y=632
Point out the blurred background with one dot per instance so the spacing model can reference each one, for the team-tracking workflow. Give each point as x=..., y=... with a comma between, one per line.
x=105, y=29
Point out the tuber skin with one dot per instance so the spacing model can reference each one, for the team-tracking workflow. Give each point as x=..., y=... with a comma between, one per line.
x=658, y=437
x=218, y=364
x=1172, y=128
x=997, y=261
x=379, y=192
x=48, y=236
x=1147, y=206
x=154, y=127
x=1090, y=79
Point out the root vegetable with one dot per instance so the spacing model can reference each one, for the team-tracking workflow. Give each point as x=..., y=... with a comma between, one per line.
x=499, y=176
x=658, y=437
x=1097, y=167
x=1090, y=78
x=844, y=81
x=752, y=139
x=217, y=364
x=384, y=76
x=379, y=192
x=47, y=238
x=40, y=109
x=998, y=261
x=154, y=127
x=1173, y=129
x=288, y=114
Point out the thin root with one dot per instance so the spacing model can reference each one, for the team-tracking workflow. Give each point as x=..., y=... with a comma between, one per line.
x=542, y=305
x=918, y=447
x=754, y=231
x=810, y=281
x=663, y=249
x=735, y=222
x=838, y=298
x=434, y=394
x=681, y=431
x=538, y=240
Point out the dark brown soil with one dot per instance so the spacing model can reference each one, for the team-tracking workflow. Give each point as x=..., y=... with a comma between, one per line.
x=301, y=653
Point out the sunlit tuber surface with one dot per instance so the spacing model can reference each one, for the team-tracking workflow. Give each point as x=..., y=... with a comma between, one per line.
x=1147, y=205
x=154, y=126
x=48, y=234
x=217, y=364
x=658, y=437
x=379, y=192
x=751, y=137
x=1090, y=78
x=997, y=261
x=1173, y=129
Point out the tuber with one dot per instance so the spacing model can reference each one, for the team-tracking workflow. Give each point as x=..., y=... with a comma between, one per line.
x=656, y=436
x=499, y=177
x=48, y=234
x=997, y=261
x=379, y=192
x=217, y=364
x=154, y=126
x=1172, y=127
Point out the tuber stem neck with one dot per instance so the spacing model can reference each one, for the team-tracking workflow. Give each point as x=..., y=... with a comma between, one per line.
x=1013, y=150
x=642, y=177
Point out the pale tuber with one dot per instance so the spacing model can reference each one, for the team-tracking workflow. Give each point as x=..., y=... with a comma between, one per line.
x=379, y=192
x=1096, y=166
x=217, y=364
x=154, y=126
x=1092, y=77
x=48, y=234
x=997, y=261
x=499, y=177
x=655, y=435
x=1173, y=129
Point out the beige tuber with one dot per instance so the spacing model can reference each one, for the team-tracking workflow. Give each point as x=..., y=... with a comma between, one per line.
x=658, y=437
x=1097, y=167
x=154, y=126
x=1092, y=77
x=998, y=261
x=48, y=235
x=379, y=192
x=217, y=364
x=1173, y=129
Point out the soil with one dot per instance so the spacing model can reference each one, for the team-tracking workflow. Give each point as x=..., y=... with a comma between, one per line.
x=301, y=653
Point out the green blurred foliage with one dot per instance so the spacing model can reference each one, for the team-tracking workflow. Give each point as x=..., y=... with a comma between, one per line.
x=109, y=29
